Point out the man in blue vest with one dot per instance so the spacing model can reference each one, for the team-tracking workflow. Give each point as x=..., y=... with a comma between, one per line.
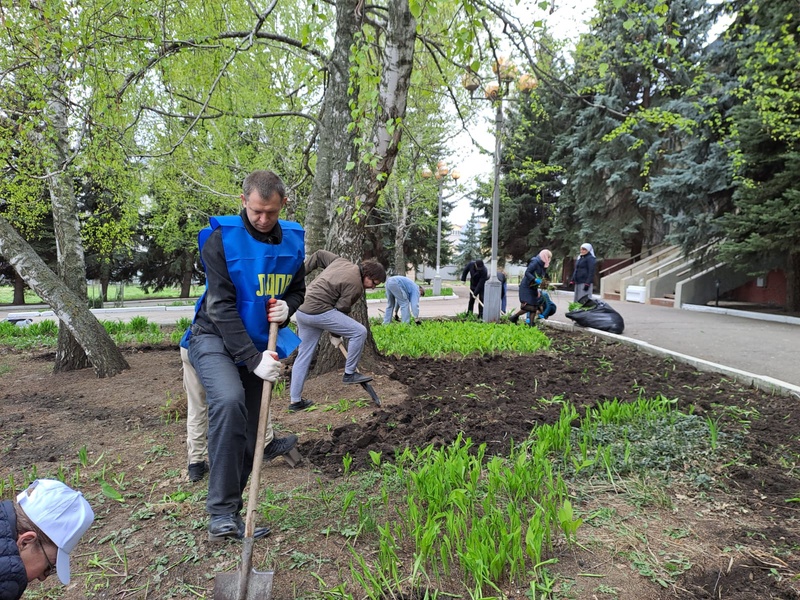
x=254, y=275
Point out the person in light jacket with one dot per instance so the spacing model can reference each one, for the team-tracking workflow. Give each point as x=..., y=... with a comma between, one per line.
x=403, y=294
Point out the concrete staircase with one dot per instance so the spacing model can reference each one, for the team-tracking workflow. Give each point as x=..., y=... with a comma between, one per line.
x=668, y=278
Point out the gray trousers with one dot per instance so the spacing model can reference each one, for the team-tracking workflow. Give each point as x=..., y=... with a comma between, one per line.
x=580, y=293
x=197, y=413
x=310, y=328
x=234, y=401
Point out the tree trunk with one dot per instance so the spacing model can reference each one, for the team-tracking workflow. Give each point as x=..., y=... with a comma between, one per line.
x=69, y=246
x=353, y=207
x=188, y=273
x=105, y=279
x=401, y=224
x=347, y=232
x=70, y=308
x=351, y=194
x=336, y=147
x=19, y=290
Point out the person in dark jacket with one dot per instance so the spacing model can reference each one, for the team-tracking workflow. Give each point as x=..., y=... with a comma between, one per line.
x=535, y=273
x=477, y=281
x=583, y=276
x=38, y=532
x=255, y=275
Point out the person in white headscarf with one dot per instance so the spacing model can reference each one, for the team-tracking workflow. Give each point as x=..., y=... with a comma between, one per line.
x=583, y=276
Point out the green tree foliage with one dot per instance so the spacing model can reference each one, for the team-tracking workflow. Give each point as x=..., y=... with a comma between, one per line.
x=764, y=229
x=533, y=180
x=638, y=58
x=469, y=246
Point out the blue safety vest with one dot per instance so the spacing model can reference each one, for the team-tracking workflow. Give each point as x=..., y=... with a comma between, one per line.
x=259, y=271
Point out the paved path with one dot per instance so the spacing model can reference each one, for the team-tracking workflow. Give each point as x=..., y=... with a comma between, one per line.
x=752, y=345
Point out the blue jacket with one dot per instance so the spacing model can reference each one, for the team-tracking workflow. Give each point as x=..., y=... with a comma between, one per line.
x=258, y=271
x=13, y=577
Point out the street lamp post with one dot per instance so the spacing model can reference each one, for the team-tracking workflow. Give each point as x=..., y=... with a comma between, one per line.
x=496, y=93
x=441, y=176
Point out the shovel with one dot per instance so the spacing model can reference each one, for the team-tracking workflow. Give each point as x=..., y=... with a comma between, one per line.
x=337, y=342
x=249, y=584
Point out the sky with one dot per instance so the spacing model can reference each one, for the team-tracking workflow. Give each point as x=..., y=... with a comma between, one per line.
x=568, y=20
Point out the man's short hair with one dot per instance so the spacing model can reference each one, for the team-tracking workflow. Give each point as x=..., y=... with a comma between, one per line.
x=374, y=270
x=266, y=183
x=479, y=264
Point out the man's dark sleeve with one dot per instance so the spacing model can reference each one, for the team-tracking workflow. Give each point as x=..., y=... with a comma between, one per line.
x=465, y=271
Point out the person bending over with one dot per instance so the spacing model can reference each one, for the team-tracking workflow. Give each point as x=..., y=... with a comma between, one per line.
x=536, y=272
x=402, y=294
x=38, y=531
x=329, y=299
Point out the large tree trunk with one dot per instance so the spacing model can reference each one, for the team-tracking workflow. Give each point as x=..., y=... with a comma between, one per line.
x=70, y=308
x=336, y=149
x=69, y=246
x=336, y=145
x=347, y=233
x=352, y=198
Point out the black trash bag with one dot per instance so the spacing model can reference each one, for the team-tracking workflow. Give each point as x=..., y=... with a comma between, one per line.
x=601, y=317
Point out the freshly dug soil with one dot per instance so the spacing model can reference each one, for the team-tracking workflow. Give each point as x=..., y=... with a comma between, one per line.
x=739, y=538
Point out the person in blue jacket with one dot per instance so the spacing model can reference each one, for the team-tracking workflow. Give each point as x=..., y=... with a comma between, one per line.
x=255, y=275
x=536, y=272
x=403, y=294
x=38, y=532
x=583, y=275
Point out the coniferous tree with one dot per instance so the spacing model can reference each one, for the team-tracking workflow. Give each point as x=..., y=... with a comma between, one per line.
x=629, y=68
x=469, y=246
x=763, y=231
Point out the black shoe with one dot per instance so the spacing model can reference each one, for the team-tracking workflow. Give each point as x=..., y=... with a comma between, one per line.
x=513, y=319
x=223, y=527
x=197, y=470
x=298, y=406
x=279, y=446
x=356, y=378
x=258, y=532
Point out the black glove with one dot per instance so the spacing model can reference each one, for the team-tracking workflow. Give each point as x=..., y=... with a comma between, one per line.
x=585, y=287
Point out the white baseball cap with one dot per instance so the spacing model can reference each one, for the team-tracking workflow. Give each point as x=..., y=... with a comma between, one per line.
x=61, y=513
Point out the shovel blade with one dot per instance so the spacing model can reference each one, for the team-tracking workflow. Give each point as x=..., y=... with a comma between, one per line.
x=259, y=585
x=371, y=393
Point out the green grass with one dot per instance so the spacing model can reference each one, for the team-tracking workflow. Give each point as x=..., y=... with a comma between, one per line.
x=380, y=293
x=456, y=338
x=128, y=292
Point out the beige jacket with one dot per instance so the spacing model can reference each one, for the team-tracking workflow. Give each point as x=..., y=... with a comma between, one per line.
x=338, y=287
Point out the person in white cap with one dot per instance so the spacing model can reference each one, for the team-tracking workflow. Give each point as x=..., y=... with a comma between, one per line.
x=37, y=534
x=583, y=276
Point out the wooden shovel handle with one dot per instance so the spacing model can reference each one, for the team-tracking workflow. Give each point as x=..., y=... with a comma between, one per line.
x=258, y=458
